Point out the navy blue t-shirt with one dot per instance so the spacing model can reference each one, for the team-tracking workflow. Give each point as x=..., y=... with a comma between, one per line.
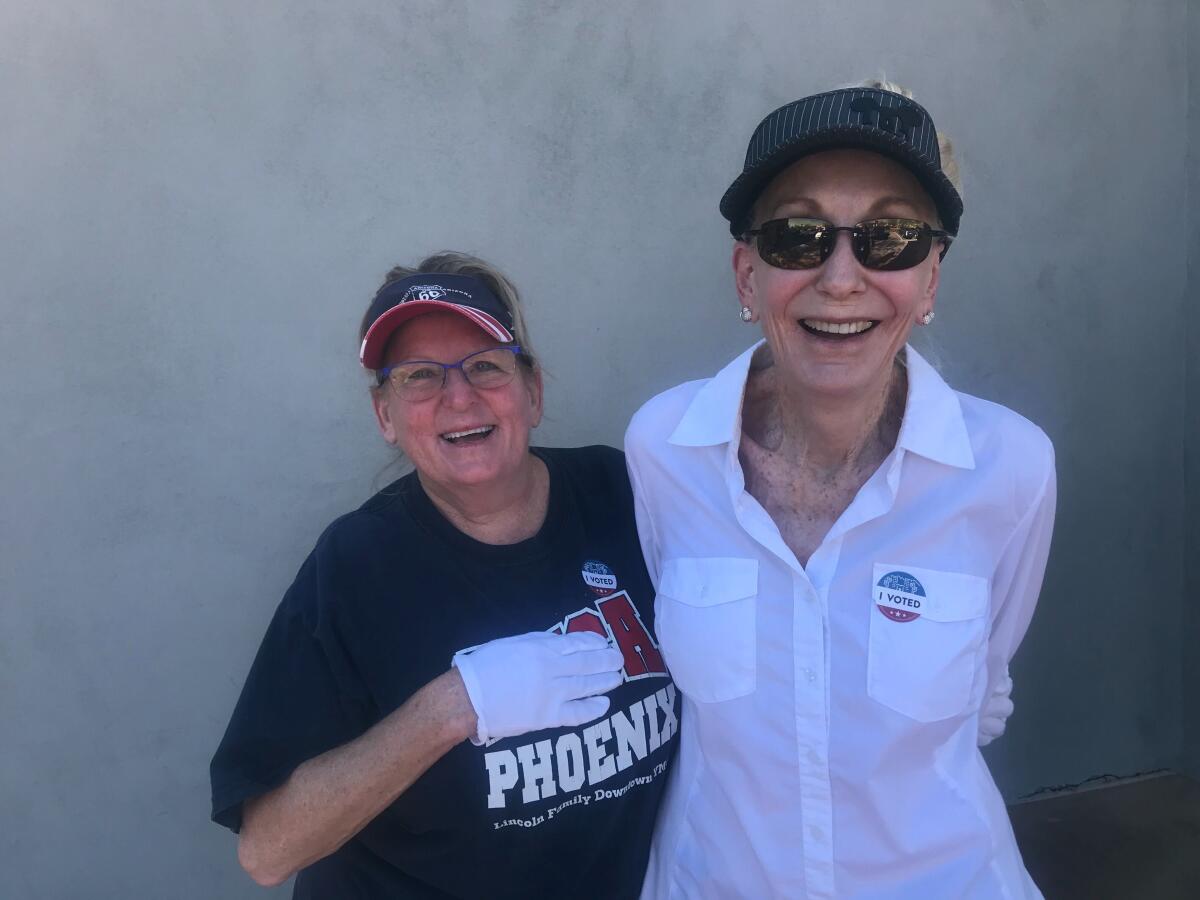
x=378, y=609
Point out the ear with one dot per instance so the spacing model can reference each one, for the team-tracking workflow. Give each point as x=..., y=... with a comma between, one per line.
x=383, y=415
x=744, y=261
x=533, y=383
x=934, y=278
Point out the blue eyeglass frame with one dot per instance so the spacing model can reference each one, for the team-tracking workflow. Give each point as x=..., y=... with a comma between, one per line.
x=383, y=373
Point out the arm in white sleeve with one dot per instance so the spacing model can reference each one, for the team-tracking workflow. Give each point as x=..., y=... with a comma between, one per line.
x=997, y=707
x=645, y=523
x=1015, y=588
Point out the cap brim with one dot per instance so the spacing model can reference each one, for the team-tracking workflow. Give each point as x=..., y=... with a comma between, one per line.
x=739, y=198
x=382, y=329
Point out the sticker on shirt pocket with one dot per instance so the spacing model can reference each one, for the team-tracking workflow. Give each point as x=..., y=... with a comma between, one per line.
x=898, y=595
x=927, y=639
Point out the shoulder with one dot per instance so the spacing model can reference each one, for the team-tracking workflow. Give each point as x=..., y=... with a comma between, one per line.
x=998, y=430
x=1007, y=444
x=591, y=456
x=597, y=465
x=659, y=416
x=371, y=525
x=348, y=554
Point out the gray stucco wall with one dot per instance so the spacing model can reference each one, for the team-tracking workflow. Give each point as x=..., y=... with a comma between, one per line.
x=198, y=200
x=1191, y=629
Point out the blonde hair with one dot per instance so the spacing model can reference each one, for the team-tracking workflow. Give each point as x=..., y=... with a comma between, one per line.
x=453, y=262
x=945, y=145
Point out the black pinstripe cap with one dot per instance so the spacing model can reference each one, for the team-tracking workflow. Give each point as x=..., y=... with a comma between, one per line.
x=868, y=118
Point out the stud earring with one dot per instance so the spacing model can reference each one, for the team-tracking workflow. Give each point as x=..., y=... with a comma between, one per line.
x=747, y=314
x=927, y=318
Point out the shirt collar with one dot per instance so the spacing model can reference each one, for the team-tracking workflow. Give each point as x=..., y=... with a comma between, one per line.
x=933, y=424
x=715, y=413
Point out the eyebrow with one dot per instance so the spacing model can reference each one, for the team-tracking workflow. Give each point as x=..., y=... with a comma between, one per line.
x=884, y=202
x=807, y=203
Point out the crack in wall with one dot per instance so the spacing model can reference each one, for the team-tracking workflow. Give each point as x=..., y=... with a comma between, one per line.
x=1091, y=784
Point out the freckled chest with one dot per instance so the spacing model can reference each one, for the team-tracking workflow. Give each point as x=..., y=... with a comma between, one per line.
x=802, y=497
x=802, y=504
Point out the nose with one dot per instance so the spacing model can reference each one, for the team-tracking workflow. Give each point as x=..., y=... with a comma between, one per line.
x=457, y=392
x=841, y=275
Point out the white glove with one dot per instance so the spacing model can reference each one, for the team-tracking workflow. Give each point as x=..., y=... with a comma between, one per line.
x=993, y=717
x=538, y=680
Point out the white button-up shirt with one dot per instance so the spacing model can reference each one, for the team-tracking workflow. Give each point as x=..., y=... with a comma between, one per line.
x=828, y=732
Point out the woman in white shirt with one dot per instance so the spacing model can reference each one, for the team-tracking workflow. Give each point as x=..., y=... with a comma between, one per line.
x=847, y=552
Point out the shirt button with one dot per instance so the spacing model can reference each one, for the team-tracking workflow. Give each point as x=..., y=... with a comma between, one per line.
x=816, y=833
x=810, y=675
x=814, y=757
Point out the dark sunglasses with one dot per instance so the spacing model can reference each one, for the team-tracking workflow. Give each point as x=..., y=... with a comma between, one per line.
x=886, y=245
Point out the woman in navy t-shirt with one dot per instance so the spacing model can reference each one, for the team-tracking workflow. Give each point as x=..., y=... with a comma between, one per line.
x=461, y=694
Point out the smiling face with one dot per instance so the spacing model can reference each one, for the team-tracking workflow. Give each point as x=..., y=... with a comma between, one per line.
x=461, y=437
x=836, y=329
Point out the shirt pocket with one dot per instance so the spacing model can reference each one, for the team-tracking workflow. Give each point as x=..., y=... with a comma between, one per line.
x=928, y=631
x=705, y=620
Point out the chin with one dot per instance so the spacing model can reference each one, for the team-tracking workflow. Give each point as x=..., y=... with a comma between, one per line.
x=832, y=379
x=481, y=470
x=848, y=376
x=474, y=475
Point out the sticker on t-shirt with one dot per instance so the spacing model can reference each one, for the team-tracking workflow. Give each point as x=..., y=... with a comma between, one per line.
x=599, y=578
x=899, y=596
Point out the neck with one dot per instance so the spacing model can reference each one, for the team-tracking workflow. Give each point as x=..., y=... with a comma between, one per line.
x=510, y=510
x=821, y=433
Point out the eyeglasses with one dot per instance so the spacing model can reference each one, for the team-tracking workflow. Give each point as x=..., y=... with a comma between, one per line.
x=420, y=379
x=886, y=245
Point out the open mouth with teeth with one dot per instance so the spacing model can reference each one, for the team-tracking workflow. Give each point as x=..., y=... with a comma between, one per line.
x=470, y=436
x=837, y=331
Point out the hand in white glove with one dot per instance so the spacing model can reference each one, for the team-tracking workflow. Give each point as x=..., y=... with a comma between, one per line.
x=538, y=680
x=993, y=717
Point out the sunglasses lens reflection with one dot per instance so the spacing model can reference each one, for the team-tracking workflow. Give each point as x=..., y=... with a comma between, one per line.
x=892, y=244
x=880, y=244
x=795, y=243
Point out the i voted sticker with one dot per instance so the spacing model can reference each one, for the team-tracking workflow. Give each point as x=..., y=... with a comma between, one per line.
x=599, y=577
x=899, y=596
